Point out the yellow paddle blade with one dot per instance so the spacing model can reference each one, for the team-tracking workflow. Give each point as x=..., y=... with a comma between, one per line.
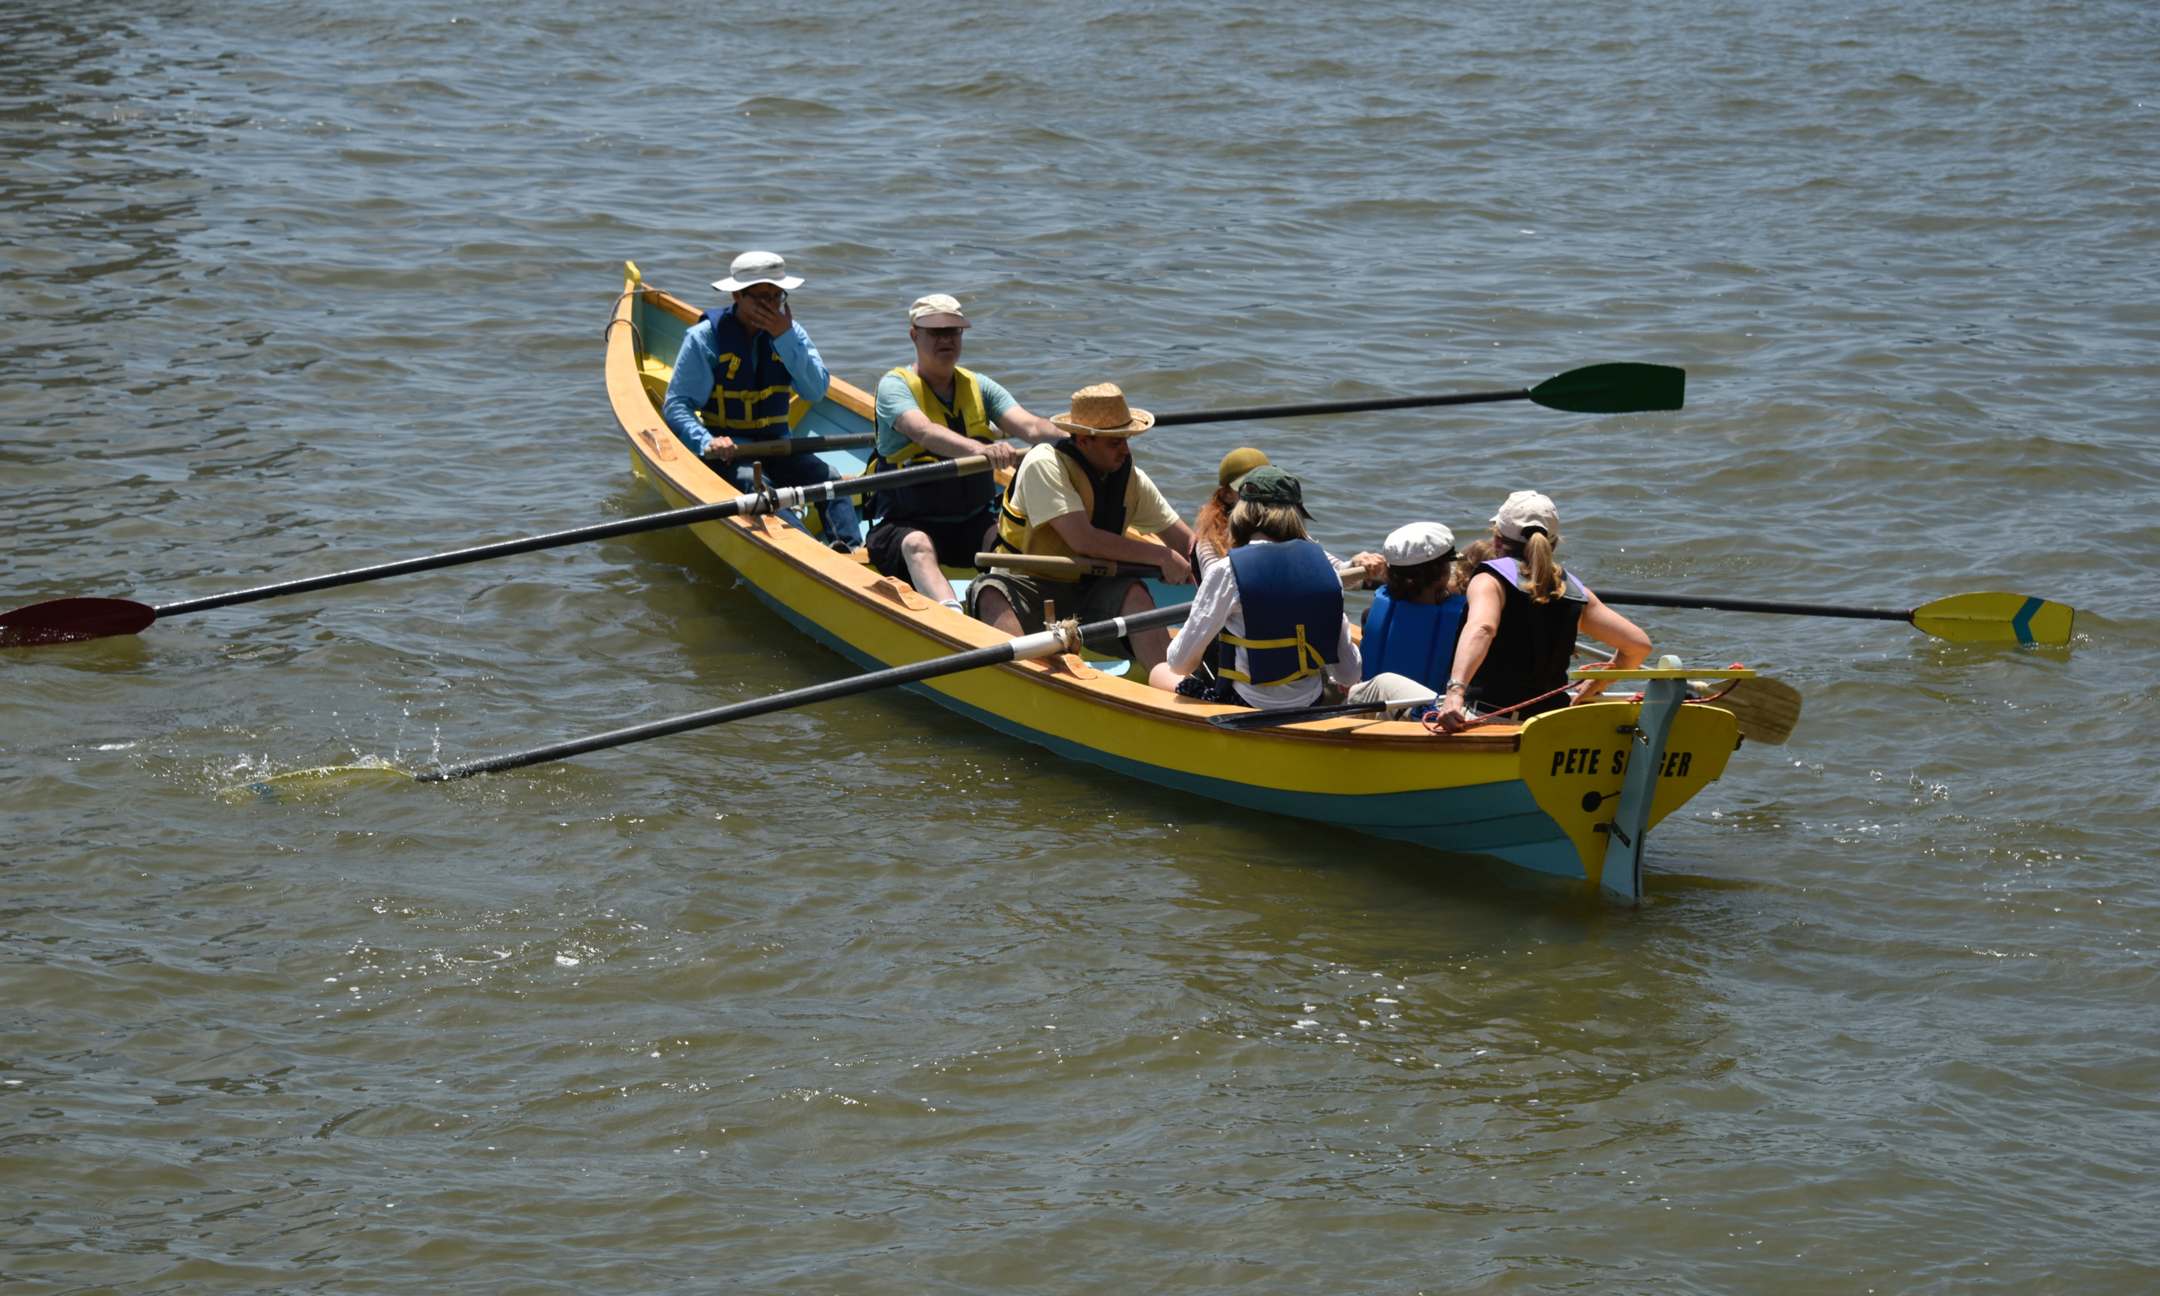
x=1766, y=708
x=1995, y=618
x=323, y=778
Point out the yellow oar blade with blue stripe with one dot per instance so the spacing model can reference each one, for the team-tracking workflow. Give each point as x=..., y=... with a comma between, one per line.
x=1995, y=618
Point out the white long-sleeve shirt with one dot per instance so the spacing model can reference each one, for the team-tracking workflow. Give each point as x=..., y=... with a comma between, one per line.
x=1217, y=607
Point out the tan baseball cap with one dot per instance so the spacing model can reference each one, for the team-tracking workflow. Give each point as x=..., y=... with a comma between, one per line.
x=1524, y=510
x=938, y=310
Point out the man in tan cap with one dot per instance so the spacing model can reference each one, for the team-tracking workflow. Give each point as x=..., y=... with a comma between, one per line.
x=934, y=409
x=1077, y=497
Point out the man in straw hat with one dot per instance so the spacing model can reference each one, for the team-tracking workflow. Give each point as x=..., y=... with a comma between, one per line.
x=934, y=409
x=732, y=379
x=1076, y=497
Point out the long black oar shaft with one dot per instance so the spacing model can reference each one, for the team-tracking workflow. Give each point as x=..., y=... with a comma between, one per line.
x=785, y=446
x=1027, y=646
x=771, y=501
x=1755, y=605
x=1239, y=413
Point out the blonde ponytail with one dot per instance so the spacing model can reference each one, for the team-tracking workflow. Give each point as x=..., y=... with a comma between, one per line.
x=1539, y=576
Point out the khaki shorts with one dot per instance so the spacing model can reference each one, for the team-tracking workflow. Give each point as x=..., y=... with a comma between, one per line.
x=1096, y=598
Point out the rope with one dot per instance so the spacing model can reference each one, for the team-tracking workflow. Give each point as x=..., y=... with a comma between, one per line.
x=1432, y=722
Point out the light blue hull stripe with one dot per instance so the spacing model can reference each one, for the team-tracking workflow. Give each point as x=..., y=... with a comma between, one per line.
x=1498, y=819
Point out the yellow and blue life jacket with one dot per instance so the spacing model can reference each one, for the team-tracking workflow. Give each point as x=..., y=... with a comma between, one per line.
x=948, y=501
x=1293, y=607
x=751, y=384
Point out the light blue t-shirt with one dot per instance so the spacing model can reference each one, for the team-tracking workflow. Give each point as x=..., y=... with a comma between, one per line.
x=894, y=399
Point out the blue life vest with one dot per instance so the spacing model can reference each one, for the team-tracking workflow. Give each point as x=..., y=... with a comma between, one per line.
x=1413, y=639
x=751, y=384
x=1292, y=601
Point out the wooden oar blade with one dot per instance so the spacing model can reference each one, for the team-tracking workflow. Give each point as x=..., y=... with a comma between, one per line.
x=72, y=620
x=1618, y=388
x=1996, y=618
x=1767, y=709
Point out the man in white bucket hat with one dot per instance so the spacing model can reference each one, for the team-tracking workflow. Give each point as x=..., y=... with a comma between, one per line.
x=733, y=377
x=931, y=410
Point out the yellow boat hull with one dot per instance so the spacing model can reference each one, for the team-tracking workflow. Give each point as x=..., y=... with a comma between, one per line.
x=1534, y=794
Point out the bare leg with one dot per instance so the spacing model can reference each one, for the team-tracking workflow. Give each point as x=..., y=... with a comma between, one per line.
x=1150, y=647
x=991, y=607
x=922, y=566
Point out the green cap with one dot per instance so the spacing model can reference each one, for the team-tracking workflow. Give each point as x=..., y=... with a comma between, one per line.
x=1268, y=484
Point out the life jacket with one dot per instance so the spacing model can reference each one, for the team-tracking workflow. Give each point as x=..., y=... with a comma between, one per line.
x=751, y=384
x=959, y=499
x=1530, y=651
x=1108, y=498
x=1292, y=601
x=1413, y=639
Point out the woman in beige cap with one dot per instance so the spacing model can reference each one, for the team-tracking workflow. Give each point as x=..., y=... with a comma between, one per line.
x=1524, y=609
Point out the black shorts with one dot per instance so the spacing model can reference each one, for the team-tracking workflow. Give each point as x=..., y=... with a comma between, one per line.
x=957, y=542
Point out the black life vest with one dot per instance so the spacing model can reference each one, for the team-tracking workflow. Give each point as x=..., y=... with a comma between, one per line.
x=1533, y=645
x=1108, y=498
x=1292, y=603
x=751, y=384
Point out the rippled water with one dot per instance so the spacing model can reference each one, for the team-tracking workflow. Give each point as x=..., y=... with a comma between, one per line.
x=867, y=998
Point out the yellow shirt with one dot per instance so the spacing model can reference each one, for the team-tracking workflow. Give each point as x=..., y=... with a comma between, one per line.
x=1043, y=492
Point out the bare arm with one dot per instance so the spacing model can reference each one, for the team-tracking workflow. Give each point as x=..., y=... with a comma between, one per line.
x=1631, y=647
x=943, y=441
x=1084, y=539
x=1028, y=427
x=1480, y=623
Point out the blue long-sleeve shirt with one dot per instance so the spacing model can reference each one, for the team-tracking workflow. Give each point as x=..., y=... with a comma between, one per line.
x=692, y=384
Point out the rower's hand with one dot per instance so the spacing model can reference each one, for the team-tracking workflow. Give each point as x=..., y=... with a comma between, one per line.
x=720, y=448
x=1454, y=713
x=1175, y=570
x=1375, y=568
x=758, y=315
x=1003, y=456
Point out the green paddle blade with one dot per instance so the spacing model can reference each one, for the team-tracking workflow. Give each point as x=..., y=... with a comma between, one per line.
x=1613, y=389
x=1995, y=618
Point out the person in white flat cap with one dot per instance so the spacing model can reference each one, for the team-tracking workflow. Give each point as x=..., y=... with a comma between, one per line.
x=934, y=409
x=732, y=379
x=1412, y=625
x=1076, y=497
x=1520, y=623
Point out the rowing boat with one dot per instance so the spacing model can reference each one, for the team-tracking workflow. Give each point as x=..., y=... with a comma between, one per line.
x=1544, y=795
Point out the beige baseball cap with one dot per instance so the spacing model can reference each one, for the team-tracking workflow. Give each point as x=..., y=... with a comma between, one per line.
x=938, y=310
x=1237, y=463
x=1525, y=510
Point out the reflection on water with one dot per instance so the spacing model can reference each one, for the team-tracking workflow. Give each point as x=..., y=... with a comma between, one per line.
x=863, y=996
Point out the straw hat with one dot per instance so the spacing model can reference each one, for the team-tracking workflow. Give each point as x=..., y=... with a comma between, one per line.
x=756, y=268
x=1101, y=411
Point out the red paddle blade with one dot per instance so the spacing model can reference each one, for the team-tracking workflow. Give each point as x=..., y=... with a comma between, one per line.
x=72, y=620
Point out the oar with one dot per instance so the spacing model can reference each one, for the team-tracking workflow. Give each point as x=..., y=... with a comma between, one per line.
x=1051, y=565
x=1963, y=618
x=1594, y=389
x=1298, y=715
x=803, y=445
x=1065, y=637
x=69, y=620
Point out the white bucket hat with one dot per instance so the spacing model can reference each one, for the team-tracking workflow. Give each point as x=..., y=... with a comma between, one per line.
x=1419, y=542
x=1522, y=511
x=756, y=268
